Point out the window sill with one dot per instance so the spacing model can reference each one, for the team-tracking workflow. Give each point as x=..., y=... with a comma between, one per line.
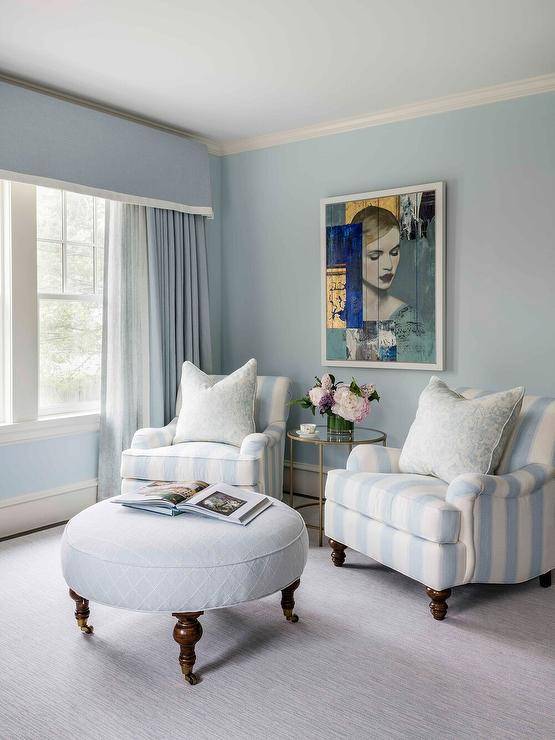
x=49, y=426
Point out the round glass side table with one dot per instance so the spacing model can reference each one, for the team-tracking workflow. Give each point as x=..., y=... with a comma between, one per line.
x=360, y=436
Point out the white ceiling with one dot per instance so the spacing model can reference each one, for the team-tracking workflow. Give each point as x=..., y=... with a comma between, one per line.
x=231, y=69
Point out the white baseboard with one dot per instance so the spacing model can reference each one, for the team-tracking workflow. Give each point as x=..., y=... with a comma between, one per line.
x=41, y=508
x=305, y=478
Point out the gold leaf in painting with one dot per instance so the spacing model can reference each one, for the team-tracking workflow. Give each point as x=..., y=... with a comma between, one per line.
x=390, y=203
x=336, y=294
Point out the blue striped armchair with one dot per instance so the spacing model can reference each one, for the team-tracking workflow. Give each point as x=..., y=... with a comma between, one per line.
x=477, y=529
x=257, y=464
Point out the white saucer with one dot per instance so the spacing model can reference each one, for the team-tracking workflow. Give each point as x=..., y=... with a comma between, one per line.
x=306, y=436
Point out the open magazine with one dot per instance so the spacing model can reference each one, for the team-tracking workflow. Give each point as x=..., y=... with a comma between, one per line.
x=220, y=500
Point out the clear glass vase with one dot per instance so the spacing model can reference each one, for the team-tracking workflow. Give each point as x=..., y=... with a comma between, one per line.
x=339, y=427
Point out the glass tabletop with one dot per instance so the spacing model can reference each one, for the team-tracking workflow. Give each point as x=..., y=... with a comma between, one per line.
x=360, y=435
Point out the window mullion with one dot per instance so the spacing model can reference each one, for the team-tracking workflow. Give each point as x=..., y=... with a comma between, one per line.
x=94, y=245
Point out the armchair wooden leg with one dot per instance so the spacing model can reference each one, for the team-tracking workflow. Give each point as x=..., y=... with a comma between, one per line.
x=337, y=553
x=438, y=603
x=82, y=613
x=187, y=632
x=545, y=579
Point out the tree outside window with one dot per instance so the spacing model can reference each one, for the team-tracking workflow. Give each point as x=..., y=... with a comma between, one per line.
x=70, y=258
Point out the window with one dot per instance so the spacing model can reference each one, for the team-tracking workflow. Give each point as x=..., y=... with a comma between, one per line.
x=70, y=258
x=51, y=276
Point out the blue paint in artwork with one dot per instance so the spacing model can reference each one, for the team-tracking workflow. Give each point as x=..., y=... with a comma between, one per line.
x=344, y=248
x=388, y=341
x=388, y=354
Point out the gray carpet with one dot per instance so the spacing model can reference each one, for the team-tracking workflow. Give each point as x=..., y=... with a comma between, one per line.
x=366, y=660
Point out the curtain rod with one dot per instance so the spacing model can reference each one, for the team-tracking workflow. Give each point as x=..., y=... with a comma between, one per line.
x=211, y=145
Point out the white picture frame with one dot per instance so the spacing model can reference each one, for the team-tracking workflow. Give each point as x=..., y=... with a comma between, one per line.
x=438, y=365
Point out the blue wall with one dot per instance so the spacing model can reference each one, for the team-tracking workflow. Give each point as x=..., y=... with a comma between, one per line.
x=40, y=465
x=499, y=165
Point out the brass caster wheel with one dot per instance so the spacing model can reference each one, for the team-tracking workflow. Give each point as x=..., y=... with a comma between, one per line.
x=289, y=616
x=87, y=629
x=191, y=678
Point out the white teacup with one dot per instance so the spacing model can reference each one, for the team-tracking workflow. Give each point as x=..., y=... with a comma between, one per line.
x=308, y=428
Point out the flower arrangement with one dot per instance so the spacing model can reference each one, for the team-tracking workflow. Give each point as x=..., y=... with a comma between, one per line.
x=343, y=404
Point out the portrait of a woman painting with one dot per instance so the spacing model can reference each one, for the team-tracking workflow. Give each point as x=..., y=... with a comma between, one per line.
x=382, y=278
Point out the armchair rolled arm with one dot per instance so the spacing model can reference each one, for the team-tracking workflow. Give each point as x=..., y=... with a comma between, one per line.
x=151, y=437
x=374, y=459
x=254, y=444
x=521, y=482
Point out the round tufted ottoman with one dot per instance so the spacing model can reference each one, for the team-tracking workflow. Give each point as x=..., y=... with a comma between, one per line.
x=184, y=565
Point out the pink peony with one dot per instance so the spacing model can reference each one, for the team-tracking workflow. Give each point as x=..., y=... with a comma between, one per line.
x=315, y=394
x=350, y=406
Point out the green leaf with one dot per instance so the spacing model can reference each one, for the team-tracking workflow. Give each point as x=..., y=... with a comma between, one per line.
x=355, y=388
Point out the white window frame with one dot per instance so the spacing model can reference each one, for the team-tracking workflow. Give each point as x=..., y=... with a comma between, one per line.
x=24, y=319
x=20, y=326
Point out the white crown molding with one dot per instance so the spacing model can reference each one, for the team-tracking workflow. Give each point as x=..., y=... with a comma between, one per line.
x=470, y=99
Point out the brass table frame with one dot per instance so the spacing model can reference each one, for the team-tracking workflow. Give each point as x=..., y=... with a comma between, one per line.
x=322, y=442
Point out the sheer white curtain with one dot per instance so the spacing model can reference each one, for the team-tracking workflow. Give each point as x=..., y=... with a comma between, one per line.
x=125, y=398
x=156, y=315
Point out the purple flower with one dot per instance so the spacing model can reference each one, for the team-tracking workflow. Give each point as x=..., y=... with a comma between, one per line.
x=325, y=402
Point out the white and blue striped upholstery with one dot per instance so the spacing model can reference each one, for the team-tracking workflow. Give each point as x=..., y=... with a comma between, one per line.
x=210, y=461
x=436, y=565
x=257, y=463
x=506, y=522
x=412, y=503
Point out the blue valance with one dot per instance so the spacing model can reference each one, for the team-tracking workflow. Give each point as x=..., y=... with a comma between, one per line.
x=58, y=143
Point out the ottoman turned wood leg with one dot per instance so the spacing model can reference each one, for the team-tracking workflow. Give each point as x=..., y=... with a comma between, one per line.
x=438, y=603
x=288, y=601
x=337, y=553
x=187, y=632
x=82, y=612
x=545, y=579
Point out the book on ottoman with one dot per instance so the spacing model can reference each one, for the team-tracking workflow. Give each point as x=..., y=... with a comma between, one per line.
x=219, y=500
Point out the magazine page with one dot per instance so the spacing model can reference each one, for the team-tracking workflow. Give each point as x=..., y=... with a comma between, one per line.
x=162, y=493
x=226, y=502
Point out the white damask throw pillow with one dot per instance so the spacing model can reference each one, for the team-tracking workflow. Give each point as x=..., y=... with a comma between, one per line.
x=452, y=435
x=216, y=411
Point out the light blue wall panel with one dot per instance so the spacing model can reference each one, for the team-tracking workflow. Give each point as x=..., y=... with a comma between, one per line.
x=499, y=165
x=40, y=465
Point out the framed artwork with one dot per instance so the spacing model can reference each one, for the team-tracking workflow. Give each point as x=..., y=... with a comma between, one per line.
x=382, y=278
